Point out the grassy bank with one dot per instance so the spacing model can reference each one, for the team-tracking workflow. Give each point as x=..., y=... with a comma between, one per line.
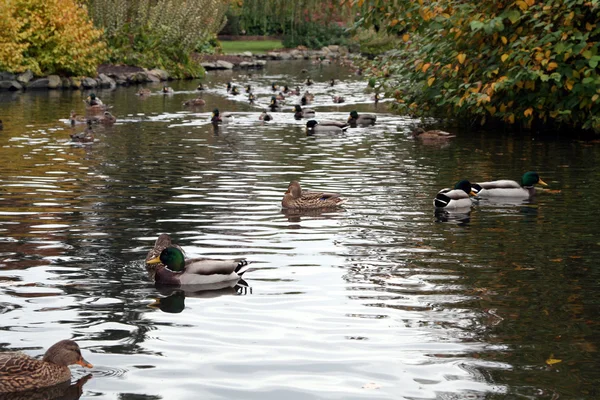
x=255, y=46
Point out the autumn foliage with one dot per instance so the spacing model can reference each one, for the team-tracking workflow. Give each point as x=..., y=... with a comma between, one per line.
x=526, y=62
x=49, y=37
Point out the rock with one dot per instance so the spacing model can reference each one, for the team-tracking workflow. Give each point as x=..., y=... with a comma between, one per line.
x=246, y=64
x=25, y=77
x=10, y=85
x=41, y=83
x=54, y=82
x=247, y=54
x=7, y=76
x=298, y=56
x=152, y=78
x=285, y=56
x=222, y=64
x=75, y=82
x=160, y=73
x=273, y=55
x=105, y=82
x=260, y=63
x=89, y=83
x=138, y=77
x=66, y=83
x=325, y=49
x=334, y=48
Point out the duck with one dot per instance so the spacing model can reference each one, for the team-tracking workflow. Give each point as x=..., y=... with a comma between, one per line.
x=106, y=119
x=376, y=98
x=296, y=91
x=296, y=198
x=228, y=87
x=300, y=113
x=280, y=97
x=1, y=125
x=167, y=90
x=144, y=92
x=265, y=116
x=332, y=82
x=286, y=89
x=94, y=105
x=20, y=372
x=274, y=87
x=86, y=136
x=92, y=100
x=162, y=242
x=308, y=82
x=248, y=89
x=194, y=102
x=338, y=99
x=511, y=189
x=176, y=270
x=437, y=135
x=314, y=126
x=274, y=105
x=200, y=86
x=77, y=119
x=251, y=98
x=218, y=118
x=234, y=90
x=363, y=119
x=457, y=197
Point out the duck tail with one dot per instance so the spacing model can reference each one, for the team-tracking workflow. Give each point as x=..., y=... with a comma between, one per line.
x=242, y=266
x=441, y=200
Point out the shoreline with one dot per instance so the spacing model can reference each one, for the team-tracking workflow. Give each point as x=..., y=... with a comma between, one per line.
x=110, y=76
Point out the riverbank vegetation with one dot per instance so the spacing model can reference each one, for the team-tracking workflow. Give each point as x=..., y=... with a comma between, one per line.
x=254, y=46
x=523, y=63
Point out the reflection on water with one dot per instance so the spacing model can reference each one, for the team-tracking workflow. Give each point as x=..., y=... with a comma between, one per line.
x=375, y=300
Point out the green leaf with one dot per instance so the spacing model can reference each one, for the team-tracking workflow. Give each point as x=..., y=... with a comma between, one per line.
x=513, y=15
x=476, y=25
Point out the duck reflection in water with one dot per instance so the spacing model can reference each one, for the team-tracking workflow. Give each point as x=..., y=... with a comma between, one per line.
x=173, y=301
x=62, y=391
x=458, y=216
x=295, y=215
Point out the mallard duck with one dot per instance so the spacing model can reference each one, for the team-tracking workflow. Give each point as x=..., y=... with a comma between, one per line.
x=265, y=116
x=308, y=82
x=296, y=91
x=251, y=98
x=332, y=82
x=162, y=242
x=458, y=197
x=274, y=105
x=361, y=120
x=77, y=119
x=200, y=86
x=280, y=97
x=313, y=127
x=508, y=188
x=178, y=271
x=19, y=372
x=107, y=119
x=286, y=89
x=248, y=89
x=296, y=198
x=94, y=105
x=228, y=87
x=92, y=100
x=144, y=92
x=274, y=87
x=218, y=118
x=86, y=136
x=234, y=90
x=338, y=99
x=300, y=113
x=376, y=98
x=194, y=102
x=167, y=90
x=422, y=134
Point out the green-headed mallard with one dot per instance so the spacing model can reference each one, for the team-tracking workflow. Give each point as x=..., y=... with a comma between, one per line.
x=332, y=82
x=162, y=242
x=194, y=102
x=458, y=197
x=234, y=91
x=248, y=89
x=265, y=116
x=314, y=126
x=251, y=98
x=176, y=270
x=19, y=372
x=510, y=189
x=286, y=89
x=167, y=90
x=361, y=120
x=92, y=100
x=228, y=87
x=274, y=87
x=300, y=113
x=422, y=134
x=296, y=198
x=274, y=104
x=218, y=118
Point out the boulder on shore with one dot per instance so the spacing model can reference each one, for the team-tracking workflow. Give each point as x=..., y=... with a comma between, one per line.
x=10, y=85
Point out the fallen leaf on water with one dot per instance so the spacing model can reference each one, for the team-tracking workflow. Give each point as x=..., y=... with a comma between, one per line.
x=371, y=385
x=556, y=259
x=552, y=361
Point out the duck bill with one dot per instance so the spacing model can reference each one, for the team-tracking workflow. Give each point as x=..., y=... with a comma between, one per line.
x=472, y=193
x=155, y=260
x=155, y=304
x=84, y=363
x=541, y=182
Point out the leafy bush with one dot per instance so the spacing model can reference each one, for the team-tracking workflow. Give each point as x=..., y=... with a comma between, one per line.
x=49, y=37
x=373, y=43
x=520, y=62
x=315, y=35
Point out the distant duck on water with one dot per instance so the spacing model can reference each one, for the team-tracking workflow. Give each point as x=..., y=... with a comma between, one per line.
x=457, y=197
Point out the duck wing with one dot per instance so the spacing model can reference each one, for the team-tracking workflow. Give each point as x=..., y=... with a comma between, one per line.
x=211, y=266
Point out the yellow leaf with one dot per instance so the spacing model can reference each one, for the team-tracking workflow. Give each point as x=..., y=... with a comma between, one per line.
x=552, y=361
x=569, y=84
x=461, y=58
x=522, y=5
x=511, y=118
x=588, y=26
x=394, y=23
x=595, y=97
x=530, y=2
x=502, y=108
x=528, y=112
x=504, y=57
x=405, y=37
x=491, y=109
x=504, y=40
x=430, y=81
x=552, y=66
x=425, y=67
x=360, y=2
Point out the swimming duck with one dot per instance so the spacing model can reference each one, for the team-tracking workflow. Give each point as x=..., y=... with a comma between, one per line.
x=265, y=116
x=218, y=118
x=296, y=91
x=458, y=197
x=77, y=119
x=274, y=87
x=286, y=89
x=86, y=136
x=280, y=97
x=228, y=87
x=332, y=82
x=422, y=134
x=300, y=113
x=200, y=86
x=19, y=372
x=376, y=98
x=92, y=100
x=313, y=127
x=363, y=119
x=144, y=92
x=508, y=188
x=167, y=90
x=94, y=105
x=274, y=105
x=107, y=119
x=194, y=102
x=251, y=98
x=162, y=242
x=338, y=99
x=178, y=271
x=308, y=82
x=296, y=198
x=248, y=89
x=234, y=90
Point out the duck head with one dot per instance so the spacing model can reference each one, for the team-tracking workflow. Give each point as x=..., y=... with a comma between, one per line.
x=465, y=186
x=171, y=257
x=294, y=189
x=66, y=352
x=531, y=178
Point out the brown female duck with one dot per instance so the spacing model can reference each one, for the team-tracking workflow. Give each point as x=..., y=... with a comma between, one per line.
x=296, y=198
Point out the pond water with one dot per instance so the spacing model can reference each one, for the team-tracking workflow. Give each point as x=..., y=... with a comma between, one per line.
x=381, y=299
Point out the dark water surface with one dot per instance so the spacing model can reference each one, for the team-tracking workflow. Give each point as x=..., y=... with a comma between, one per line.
x=383, y=299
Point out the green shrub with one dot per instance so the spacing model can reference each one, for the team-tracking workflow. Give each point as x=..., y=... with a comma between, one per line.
x=315, y=35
